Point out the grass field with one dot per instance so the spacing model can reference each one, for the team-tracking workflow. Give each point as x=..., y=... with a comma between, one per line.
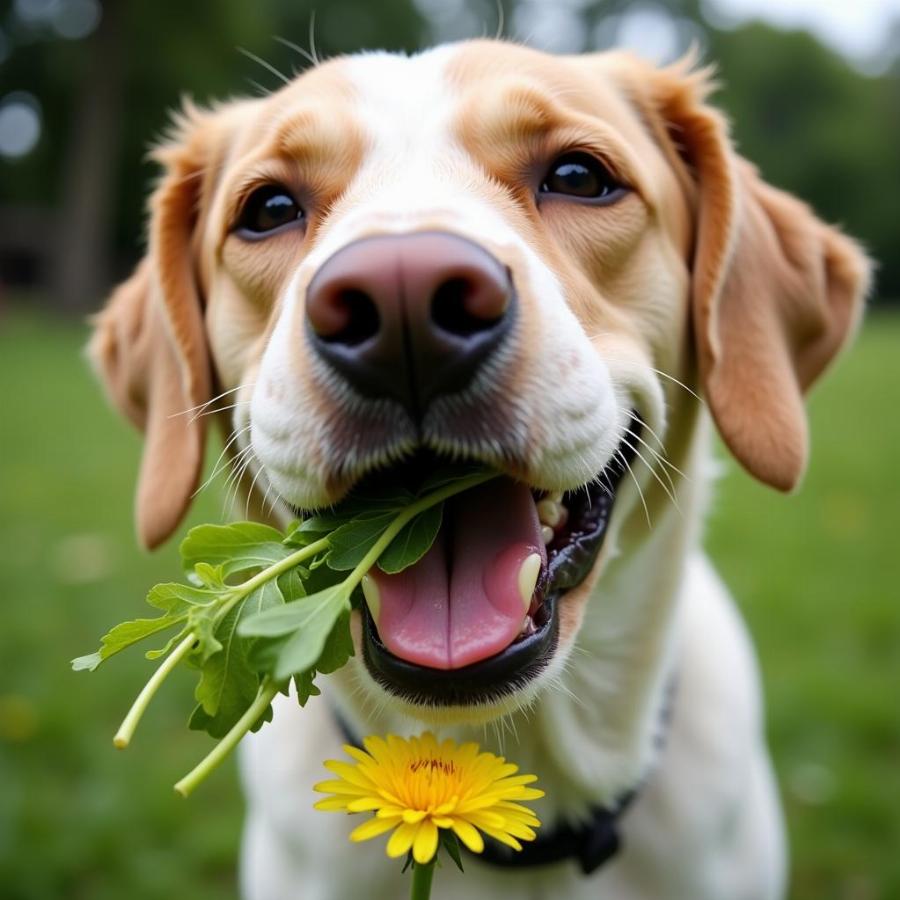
x=817, y=576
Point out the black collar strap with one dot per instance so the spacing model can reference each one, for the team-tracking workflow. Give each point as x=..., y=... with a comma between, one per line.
x=591, y=843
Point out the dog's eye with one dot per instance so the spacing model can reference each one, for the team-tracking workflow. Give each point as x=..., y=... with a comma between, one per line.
x=581, y=175
x=266, y=209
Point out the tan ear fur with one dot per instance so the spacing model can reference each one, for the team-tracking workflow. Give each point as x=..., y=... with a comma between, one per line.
x=776, y=292
x=149, y=348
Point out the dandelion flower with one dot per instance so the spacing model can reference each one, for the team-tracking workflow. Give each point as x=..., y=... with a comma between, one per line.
x=418, y=786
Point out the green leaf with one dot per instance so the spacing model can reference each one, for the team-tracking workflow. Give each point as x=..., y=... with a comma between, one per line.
x=450, y=843
x=413, y=542
x=124, y=635
x=338, y=646
x=304, y=682
x=169, y=644
x=235, y=548
x=210, y=576
x=176, y=599
x=292, y=616
x=306, y=644
x=338, y=649
x=228, y=685
x=302, y=628
x=351, y=542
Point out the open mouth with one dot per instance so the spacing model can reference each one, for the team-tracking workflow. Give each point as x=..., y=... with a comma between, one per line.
x=477, y=617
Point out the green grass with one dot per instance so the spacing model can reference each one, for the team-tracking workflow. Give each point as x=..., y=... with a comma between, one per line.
x=817, y=576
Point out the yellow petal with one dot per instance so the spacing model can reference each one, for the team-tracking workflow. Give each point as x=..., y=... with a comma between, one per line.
x=349, y=772
x=331, y=804
x=411, y=816
x=378, y=749
x=364, y=804
x=401, y=840
x=504, y=838
x=371, y=829
x=469, y=835
x=446, y=808
x=357, y=754
x=516, y=829
x=425, y=843
x=340, y=787
x=525, y=793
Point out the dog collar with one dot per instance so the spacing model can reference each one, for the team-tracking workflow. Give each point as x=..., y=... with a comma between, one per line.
x=590, y=844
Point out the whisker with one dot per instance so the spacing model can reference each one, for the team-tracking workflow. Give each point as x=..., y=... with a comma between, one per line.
x=637, y=484
x=313, y=51
x=659, y=457
x=266, y=65
x=220, y=409
x=276, y=499
x=217, y=468
x=309, y=57
x=184, y=412
x=235, y=479
x=652, y=471
x=501, y=21
x=236, y=465
x=259, y=472
x=260, y=90
x=680, y=384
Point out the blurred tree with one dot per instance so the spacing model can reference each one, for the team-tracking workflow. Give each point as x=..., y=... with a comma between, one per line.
x=819, y=128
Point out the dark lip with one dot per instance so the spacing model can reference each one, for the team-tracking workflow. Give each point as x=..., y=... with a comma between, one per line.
x=487, y=681
x=571, y=556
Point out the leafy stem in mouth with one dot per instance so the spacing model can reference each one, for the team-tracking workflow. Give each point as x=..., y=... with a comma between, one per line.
x=264, y=607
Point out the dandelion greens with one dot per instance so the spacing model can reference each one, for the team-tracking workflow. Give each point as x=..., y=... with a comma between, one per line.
x=262, y=608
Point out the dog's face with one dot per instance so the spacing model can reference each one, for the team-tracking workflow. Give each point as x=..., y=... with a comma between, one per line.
x=483, y=253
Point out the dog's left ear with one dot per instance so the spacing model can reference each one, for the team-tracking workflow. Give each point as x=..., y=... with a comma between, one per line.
x=775, y=291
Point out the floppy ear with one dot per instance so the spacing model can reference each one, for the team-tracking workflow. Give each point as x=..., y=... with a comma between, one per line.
x=775, y=291
x=149, y=348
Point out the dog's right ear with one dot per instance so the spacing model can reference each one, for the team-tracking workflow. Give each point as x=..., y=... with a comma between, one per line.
x=149, y=345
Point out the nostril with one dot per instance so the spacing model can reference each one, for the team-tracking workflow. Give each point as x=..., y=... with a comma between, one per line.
x=348, y=316
x=465, y=306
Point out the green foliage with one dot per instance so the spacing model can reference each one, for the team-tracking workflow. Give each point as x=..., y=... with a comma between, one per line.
x=248, y=638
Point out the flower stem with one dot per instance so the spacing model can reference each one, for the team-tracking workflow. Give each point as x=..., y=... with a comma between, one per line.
x=205, y=767
x=130, y=722
x=421, y=880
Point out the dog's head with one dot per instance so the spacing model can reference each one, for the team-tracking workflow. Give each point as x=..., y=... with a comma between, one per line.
x=482, y=252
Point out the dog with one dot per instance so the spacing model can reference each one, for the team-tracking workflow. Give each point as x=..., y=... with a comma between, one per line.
x=541, y=264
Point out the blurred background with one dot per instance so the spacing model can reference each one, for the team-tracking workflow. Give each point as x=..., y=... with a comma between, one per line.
x=813, y=90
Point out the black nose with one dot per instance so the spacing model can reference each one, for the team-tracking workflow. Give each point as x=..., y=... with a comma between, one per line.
x=409, y=316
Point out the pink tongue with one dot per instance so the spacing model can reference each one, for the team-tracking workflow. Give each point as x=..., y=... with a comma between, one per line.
x=460, y=603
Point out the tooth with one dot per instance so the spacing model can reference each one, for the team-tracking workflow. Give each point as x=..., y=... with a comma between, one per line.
x=549, y=512
x=373, y=596
x=528, y=576
x=547, y=533
x=556, y=496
